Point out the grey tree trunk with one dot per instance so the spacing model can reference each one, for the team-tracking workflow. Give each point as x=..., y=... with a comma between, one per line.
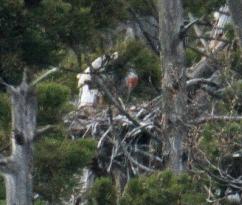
x=174, y=79
x=235, y=7
x=17, y=168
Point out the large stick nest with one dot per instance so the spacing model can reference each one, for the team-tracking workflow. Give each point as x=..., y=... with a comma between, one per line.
x=133, y=149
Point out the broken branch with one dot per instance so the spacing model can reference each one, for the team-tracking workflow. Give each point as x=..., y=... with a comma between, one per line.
x=45, y=75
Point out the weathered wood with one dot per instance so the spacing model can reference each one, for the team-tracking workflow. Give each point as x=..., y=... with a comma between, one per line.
x=18, y=176
x=174, y=80
x=17, y=168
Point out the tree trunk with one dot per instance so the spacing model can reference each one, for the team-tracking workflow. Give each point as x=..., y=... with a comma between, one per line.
x=17, y=168
x=174, y=80
x=19, y=182
x=235, y=7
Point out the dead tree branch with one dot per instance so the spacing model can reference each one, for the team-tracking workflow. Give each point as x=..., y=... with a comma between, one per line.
x=45, y=75
x=216, y=118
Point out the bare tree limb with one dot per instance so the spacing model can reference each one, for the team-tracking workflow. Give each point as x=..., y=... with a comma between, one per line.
x=43, y=130
x=45, y=75
x=8, y=86
x=197, y=81
x=216, y=118
x=3, y=82
x=153, y=157
x=141, y=166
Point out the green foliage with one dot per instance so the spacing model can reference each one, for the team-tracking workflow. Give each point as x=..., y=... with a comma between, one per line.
x=191, y=57
x=24, y=40
x=161, y=189
x=5, y=112
x=37, y=36
x=144, y=61
x=209, y=142
x=142, y=7
x=38, y=48
x=229, y=31
x=5, y=120
x=233, y=96
x=101, y=12
x=220, y=139
x=39, y=202
x=135, y=54
x=102, y=193
x=52, y=99
x=236, y=61
x=2, y=189
x=55, y=163
x=202, y=7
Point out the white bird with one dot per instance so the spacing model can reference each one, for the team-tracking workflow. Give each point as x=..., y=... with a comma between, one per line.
x=97, y=64
x=87, y=96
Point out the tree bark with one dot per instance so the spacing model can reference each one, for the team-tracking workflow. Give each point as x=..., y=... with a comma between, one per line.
x=174, y=80
x=17, y=169
x=235, y=7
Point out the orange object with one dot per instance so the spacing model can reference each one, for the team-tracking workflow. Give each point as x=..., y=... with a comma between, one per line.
x=132, y=80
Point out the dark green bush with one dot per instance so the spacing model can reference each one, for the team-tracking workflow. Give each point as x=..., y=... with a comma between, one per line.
x=2, y=189
x=55, y=163
x=5, y=112
x=163, y=188
x=191, y=57
x=136, y=55
x=5, y=120
x=202, y=7
x=102, y=193
x=52, y=100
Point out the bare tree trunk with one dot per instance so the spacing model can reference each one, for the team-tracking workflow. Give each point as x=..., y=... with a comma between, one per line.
x=19, y=182
x=235, y=7
x=17, y=168
x=174, y=80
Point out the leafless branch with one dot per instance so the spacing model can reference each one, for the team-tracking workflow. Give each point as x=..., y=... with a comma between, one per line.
x=43, y=130
x=132, y=160
x=8, y=86
x=198, y=81
x=45, y=75
x=147, y=154
x=216, y=118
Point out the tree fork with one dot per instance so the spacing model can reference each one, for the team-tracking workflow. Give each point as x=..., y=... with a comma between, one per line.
x=17, y=168
x=18, y=173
